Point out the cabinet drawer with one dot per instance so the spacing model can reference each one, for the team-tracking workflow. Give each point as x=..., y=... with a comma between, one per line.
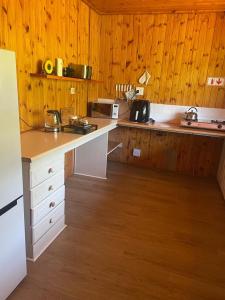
x=47, y=188
x=42, y=171
x=41, y=228
x=47, y=205
x=47, y=239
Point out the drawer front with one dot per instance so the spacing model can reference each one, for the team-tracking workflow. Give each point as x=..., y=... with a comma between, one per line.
x=48, y=238
x=41, y=228
x=42, y=171
x=47, y=188
x=47, y=205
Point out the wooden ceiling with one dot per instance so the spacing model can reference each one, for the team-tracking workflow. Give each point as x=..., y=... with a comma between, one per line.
x=154, y=6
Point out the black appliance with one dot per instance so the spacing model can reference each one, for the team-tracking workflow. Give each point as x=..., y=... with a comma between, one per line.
x=80, y=128
x=140, y=111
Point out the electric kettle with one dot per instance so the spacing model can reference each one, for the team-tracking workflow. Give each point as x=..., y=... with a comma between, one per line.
x=52, y=121
x=191, y=114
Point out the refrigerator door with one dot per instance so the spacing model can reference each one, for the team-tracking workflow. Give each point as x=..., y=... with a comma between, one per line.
x=12, y=249
x=10, y=151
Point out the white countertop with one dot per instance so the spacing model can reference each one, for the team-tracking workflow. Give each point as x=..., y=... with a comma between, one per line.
x=36, y=143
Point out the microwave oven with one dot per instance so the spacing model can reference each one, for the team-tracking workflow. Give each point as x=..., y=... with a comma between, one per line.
x=103, y=110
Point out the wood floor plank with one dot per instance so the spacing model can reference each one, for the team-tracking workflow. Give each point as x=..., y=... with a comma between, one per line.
x=139, y=235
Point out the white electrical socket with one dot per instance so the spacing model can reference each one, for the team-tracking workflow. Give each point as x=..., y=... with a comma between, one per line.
x=140, y=91
x=136, y=152
x=72, y=90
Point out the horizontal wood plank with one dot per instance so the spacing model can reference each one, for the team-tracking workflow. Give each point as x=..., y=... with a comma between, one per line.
x=151, y=6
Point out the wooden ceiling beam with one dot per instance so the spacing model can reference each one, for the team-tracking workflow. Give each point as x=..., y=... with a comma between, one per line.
x=153, y=6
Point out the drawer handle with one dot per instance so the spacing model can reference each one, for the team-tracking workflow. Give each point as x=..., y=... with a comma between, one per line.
x=50, y=188
x=50, y=221
x=52, y=204
x=50, y=170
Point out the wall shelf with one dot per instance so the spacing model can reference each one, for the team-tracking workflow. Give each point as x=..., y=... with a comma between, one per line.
x=63, y=78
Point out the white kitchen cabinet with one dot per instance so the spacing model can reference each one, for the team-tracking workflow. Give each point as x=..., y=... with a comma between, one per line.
x=44, y=202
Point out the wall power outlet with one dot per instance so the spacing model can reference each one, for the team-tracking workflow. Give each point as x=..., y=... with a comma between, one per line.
x=140, y=91
x=136, y=152
x=72, y=90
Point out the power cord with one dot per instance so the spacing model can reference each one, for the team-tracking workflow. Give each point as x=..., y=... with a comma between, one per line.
x=25, y=122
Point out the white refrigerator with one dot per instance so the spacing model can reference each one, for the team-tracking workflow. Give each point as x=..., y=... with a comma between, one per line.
x=12, y=233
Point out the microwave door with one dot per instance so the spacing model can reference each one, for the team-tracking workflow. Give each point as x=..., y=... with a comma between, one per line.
x=101, y=110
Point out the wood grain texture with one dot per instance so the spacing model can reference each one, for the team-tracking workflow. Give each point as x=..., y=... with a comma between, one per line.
x=151, y=6
x=179, y=50
x=37, y=30
x=139, y=235
x=187, y=154
x=221, y=171
x=173, y=128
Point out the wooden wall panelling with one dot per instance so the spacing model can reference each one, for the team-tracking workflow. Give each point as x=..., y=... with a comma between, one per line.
x=221, y=172
x=179, y=50
x=47, y=29
x=178, y=78
x=106, y=32
x=192, y=155
x=115, y=49
x=94, y=53
x=218, y=59
x=126, y=49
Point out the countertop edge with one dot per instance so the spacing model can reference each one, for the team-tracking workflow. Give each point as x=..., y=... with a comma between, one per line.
x=164, y=127
x=73, y=143
x=173, y=128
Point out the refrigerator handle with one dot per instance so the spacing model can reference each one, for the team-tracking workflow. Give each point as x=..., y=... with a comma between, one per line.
x=9, y=206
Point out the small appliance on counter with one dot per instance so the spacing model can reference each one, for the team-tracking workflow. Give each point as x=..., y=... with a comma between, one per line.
x=140, y=111
x=204, y=124
x=79, y=126
x=191, y=120
x=105, y=110
x=192, y=114
x=52, y=121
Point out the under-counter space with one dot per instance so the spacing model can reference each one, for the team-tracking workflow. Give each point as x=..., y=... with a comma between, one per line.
x=168, y=148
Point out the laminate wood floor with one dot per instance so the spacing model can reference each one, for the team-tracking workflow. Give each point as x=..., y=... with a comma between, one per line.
x=138, y=235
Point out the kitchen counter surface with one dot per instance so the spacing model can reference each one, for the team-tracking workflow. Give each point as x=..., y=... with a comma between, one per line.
x=172, y=127
x=36, y=143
